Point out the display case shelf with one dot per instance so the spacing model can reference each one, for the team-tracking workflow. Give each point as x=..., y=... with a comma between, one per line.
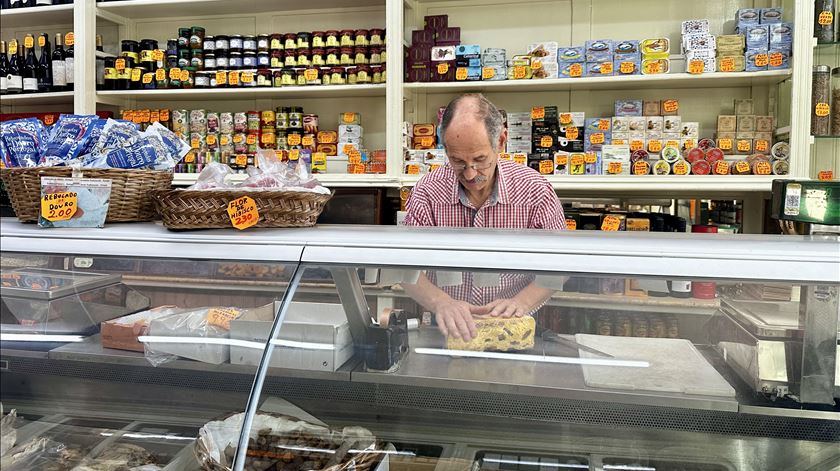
x=630, y=82
x=144, y=9
x=53, y=98
x=37, y=16
x=201, y=94
x=326, y=179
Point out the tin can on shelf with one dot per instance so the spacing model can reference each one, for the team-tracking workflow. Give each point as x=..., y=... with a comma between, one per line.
x=240, y=122
x=640, y=326
x=622, y=327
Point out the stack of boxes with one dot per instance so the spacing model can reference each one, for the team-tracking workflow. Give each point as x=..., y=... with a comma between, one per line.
x=598, y=133
x=543, y=60
x=730, y=53
x=655, y=56
x=599, y=57
x=431, y=57
x=571, y=61
x=468, y=62
x=421, y=148
x=744, y=133
x=699, y=45
x=350, y=145
x=494, y=64
x=519, y=136
x=768, y=40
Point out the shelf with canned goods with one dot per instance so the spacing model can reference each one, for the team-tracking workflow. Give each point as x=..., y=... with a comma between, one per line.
x=37, y=16
x=200, y=94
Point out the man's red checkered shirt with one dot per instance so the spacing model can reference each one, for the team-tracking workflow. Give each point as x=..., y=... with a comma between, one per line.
x=523, y=199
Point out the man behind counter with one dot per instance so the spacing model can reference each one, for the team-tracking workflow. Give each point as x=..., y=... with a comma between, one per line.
x=477, y=189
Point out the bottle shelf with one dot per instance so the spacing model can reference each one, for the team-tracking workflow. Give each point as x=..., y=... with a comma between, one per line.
x=37, y=16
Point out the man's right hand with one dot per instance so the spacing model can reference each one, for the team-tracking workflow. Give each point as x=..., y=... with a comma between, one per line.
x=454, y=318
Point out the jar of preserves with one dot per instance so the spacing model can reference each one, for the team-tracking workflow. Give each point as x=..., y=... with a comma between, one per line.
x=222, y=43
x=346, y=57
x=318, y=39
x=622, y=327
x=196, y=37
x=276, y=42
x=332, y=38
x=338, y=76
x=130, y=48
x=234, y=61
x=332, y=56
x=209, y=44
x=360, y=55
x=303, y=55
x=296, y=118
x=268, y=140
x=289, y=77
x=300, y=76
x=375, y=54
x=352, y=75
x=640, y=326
x=222, y=62
x=197, y=59
x=184, y=37
x=268, y=118
x=326, y=75
x=303, y=40
x=263, y=43
x=290, y=59
x=347, y=38
x=188, y=78
x=209, y=61
x=276, y=59
x=377, y=74
x=281, y=117
x=361, y=37
x=277, y=78
x=172, y=47
x=377, y=37
x=249, y=43
x=317, y=57
x=263, y=60
x=820, y=97
x=248, y=78
x=147, y=48
x=253, y=121
x=249, y=60
x=124, y=72
x=363, y=74
x=290, y=41
x=110, y=74
x=202, y=79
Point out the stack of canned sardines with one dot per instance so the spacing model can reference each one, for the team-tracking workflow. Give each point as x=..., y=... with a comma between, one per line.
x=195, y=60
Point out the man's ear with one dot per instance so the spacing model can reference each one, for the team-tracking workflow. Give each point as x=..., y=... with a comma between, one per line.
x=503, y=139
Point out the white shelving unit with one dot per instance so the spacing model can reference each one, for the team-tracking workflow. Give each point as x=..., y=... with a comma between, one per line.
x=491, y=23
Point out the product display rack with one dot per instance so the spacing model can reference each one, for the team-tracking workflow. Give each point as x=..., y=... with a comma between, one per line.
x=489, y=23
x=824, y=151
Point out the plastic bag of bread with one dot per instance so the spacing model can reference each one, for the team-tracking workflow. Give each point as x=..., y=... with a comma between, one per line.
x=207, y=323
x=498, y=334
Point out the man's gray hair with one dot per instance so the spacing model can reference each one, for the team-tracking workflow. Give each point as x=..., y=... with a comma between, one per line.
x=486, y=112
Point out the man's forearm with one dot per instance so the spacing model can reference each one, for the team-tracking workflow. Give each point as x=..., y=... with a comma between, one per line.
x=425, y=292
x=533, y=296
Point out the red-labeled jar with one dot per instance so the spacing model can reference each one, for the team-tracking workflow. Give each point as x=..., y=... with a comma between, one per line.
x=332, y=56
x=300, y=75
x=701, y=167
x=375, y=54
x=361, y=37
x=264, y=78
x=290, y=59
x=346, y=57
x=326, y=75
x=377, y=73
x=363, y=74
x=347, y=38
x=318, y=58
x=276, y=60
x=290, y=41
x=332, y=38
x=360, y=55
x=695, y=154
x=276, y=42
x=338, y=76
x=352, y=75
x=277, y=78
x=713, y=155
x=303, y=56
x=319, y=39
x=377, y=37
x=303, y=40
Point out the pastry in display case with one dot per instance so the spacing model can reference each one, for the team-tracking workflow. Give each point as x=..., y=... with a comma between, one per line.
x=334, y=362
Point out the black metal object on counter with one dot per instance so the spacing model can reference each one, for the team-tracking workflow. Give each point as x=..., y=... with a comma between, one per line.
x=387, y=345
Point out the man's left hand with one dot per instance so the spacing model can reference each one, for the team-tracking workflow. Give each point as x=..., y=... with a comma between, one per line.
x=504, y=308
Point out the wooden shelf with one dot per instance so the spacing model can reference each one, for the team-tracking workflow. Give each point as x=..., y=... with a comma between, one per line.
x=631, y=82
x=202, y=94
x=37, y=16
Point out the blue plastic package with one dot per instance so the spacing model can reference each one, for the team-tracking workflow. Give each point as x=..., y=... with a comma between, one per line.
x=22, y=139
x=95, y=132
x=116, y=134
x=68, y=138
x=142, y=153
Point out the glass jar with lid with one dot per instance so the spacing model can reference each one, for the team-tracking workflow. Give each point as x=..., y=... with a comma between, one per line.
x=319, y=39
x=332, y=38
x=820, y=97
x=824, y=19
x=363, y=74
x=290, y=41
x=249, y=43
x=263, y=43
x=276, y=42
x=346, y=56
x=347, y=38
x=304, y=39
x=835, y=101
x=332, y=56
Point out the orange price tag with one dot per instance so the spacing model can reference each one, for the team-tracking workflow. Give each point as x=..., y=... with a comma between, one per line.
x=426, y=141
x=308, y=141
x=211, y=139
x=488, y=73
x=175, y=74
x=293, y=139
x=69, y=39
x=724, y=144
x=636, y=144
x=190, y=158
x=825, y=18
x=49, y=119
x=136, y=75
x=575, y=70
x=546, y=167
x=521, y=159
x=654, y=146
x=520, y=72
x=614, y=168
x=696, y=67
x=761, y=60
x=309, y=74
x=596, y=138
x=294, y=154
x=565, y=119
x=572, y=132
x=348, y=117
x=354, y=157
x=762, y=145
x=603, y=124
x=358, y=169
x=743, y=145
x=241, y=160
x=221, y=316
x=195, y=143
x=727, y=65
x=536, y=64
x=154, y=116
x=251, y=139
x=237, y=138
x=561, y=159
x=653, y=67
x=147, y=77
x=442, y=68
x=776, y=59
x=185, y=75
x=611, y=223
x=243, y=212
x=412, y=169
x=742, y=167
x=671, y=106
x=626, y=68
x=59, y=206
x=822, y=109
x=221, y=77
x=42, y=41
x=348, y=148
x=546, y=141
x=461, y=73
x=267, y=138
x=641, y=167
x=825, y=175
x=672, y=143
x=578, y=159
x=233, y=78
x=157, y=55
x=681, y=168
x=607, y=68
x=224, y=139
x=721, y=167
x=590, y=157
x=247, y=77
x=571, y=225
x=504, y=156
x=538, y=112
x=762, y=167
x=29, y=42
x=119, y=64
x=160, y=74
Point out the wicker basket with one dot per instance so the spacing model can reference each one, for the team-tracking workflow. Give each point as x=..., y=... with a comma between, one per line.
x=207, y=209
x=130, y=190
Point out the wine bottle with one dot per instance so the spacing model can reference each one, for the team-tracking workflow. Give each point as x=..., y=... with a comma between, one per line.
x=44, y=64
x=30, y=70
x=100, y=65
x=14, y=78
x=4, y=69
x=69, y=40
x=59, y=75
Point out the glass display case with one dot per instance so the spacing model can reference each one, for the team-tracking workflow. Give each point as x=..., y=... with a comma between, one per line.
x=324, y=348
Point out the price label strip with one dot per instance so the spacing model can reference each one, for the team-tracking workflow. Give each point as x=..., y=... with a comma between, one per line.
x=243, y=212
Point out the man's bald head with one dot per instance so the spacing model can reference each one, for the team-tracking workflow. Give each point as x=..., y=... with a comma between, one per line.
x=474, y=107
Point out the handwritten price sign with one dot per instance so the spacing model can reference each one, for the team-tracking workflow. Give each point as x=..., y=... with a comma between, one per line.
x=243, y=212
x=59, y=206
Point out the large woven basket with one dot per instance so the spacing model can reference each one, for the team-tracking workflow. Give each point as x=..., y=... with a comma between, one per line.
x=130, y=190
x=207, y=209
